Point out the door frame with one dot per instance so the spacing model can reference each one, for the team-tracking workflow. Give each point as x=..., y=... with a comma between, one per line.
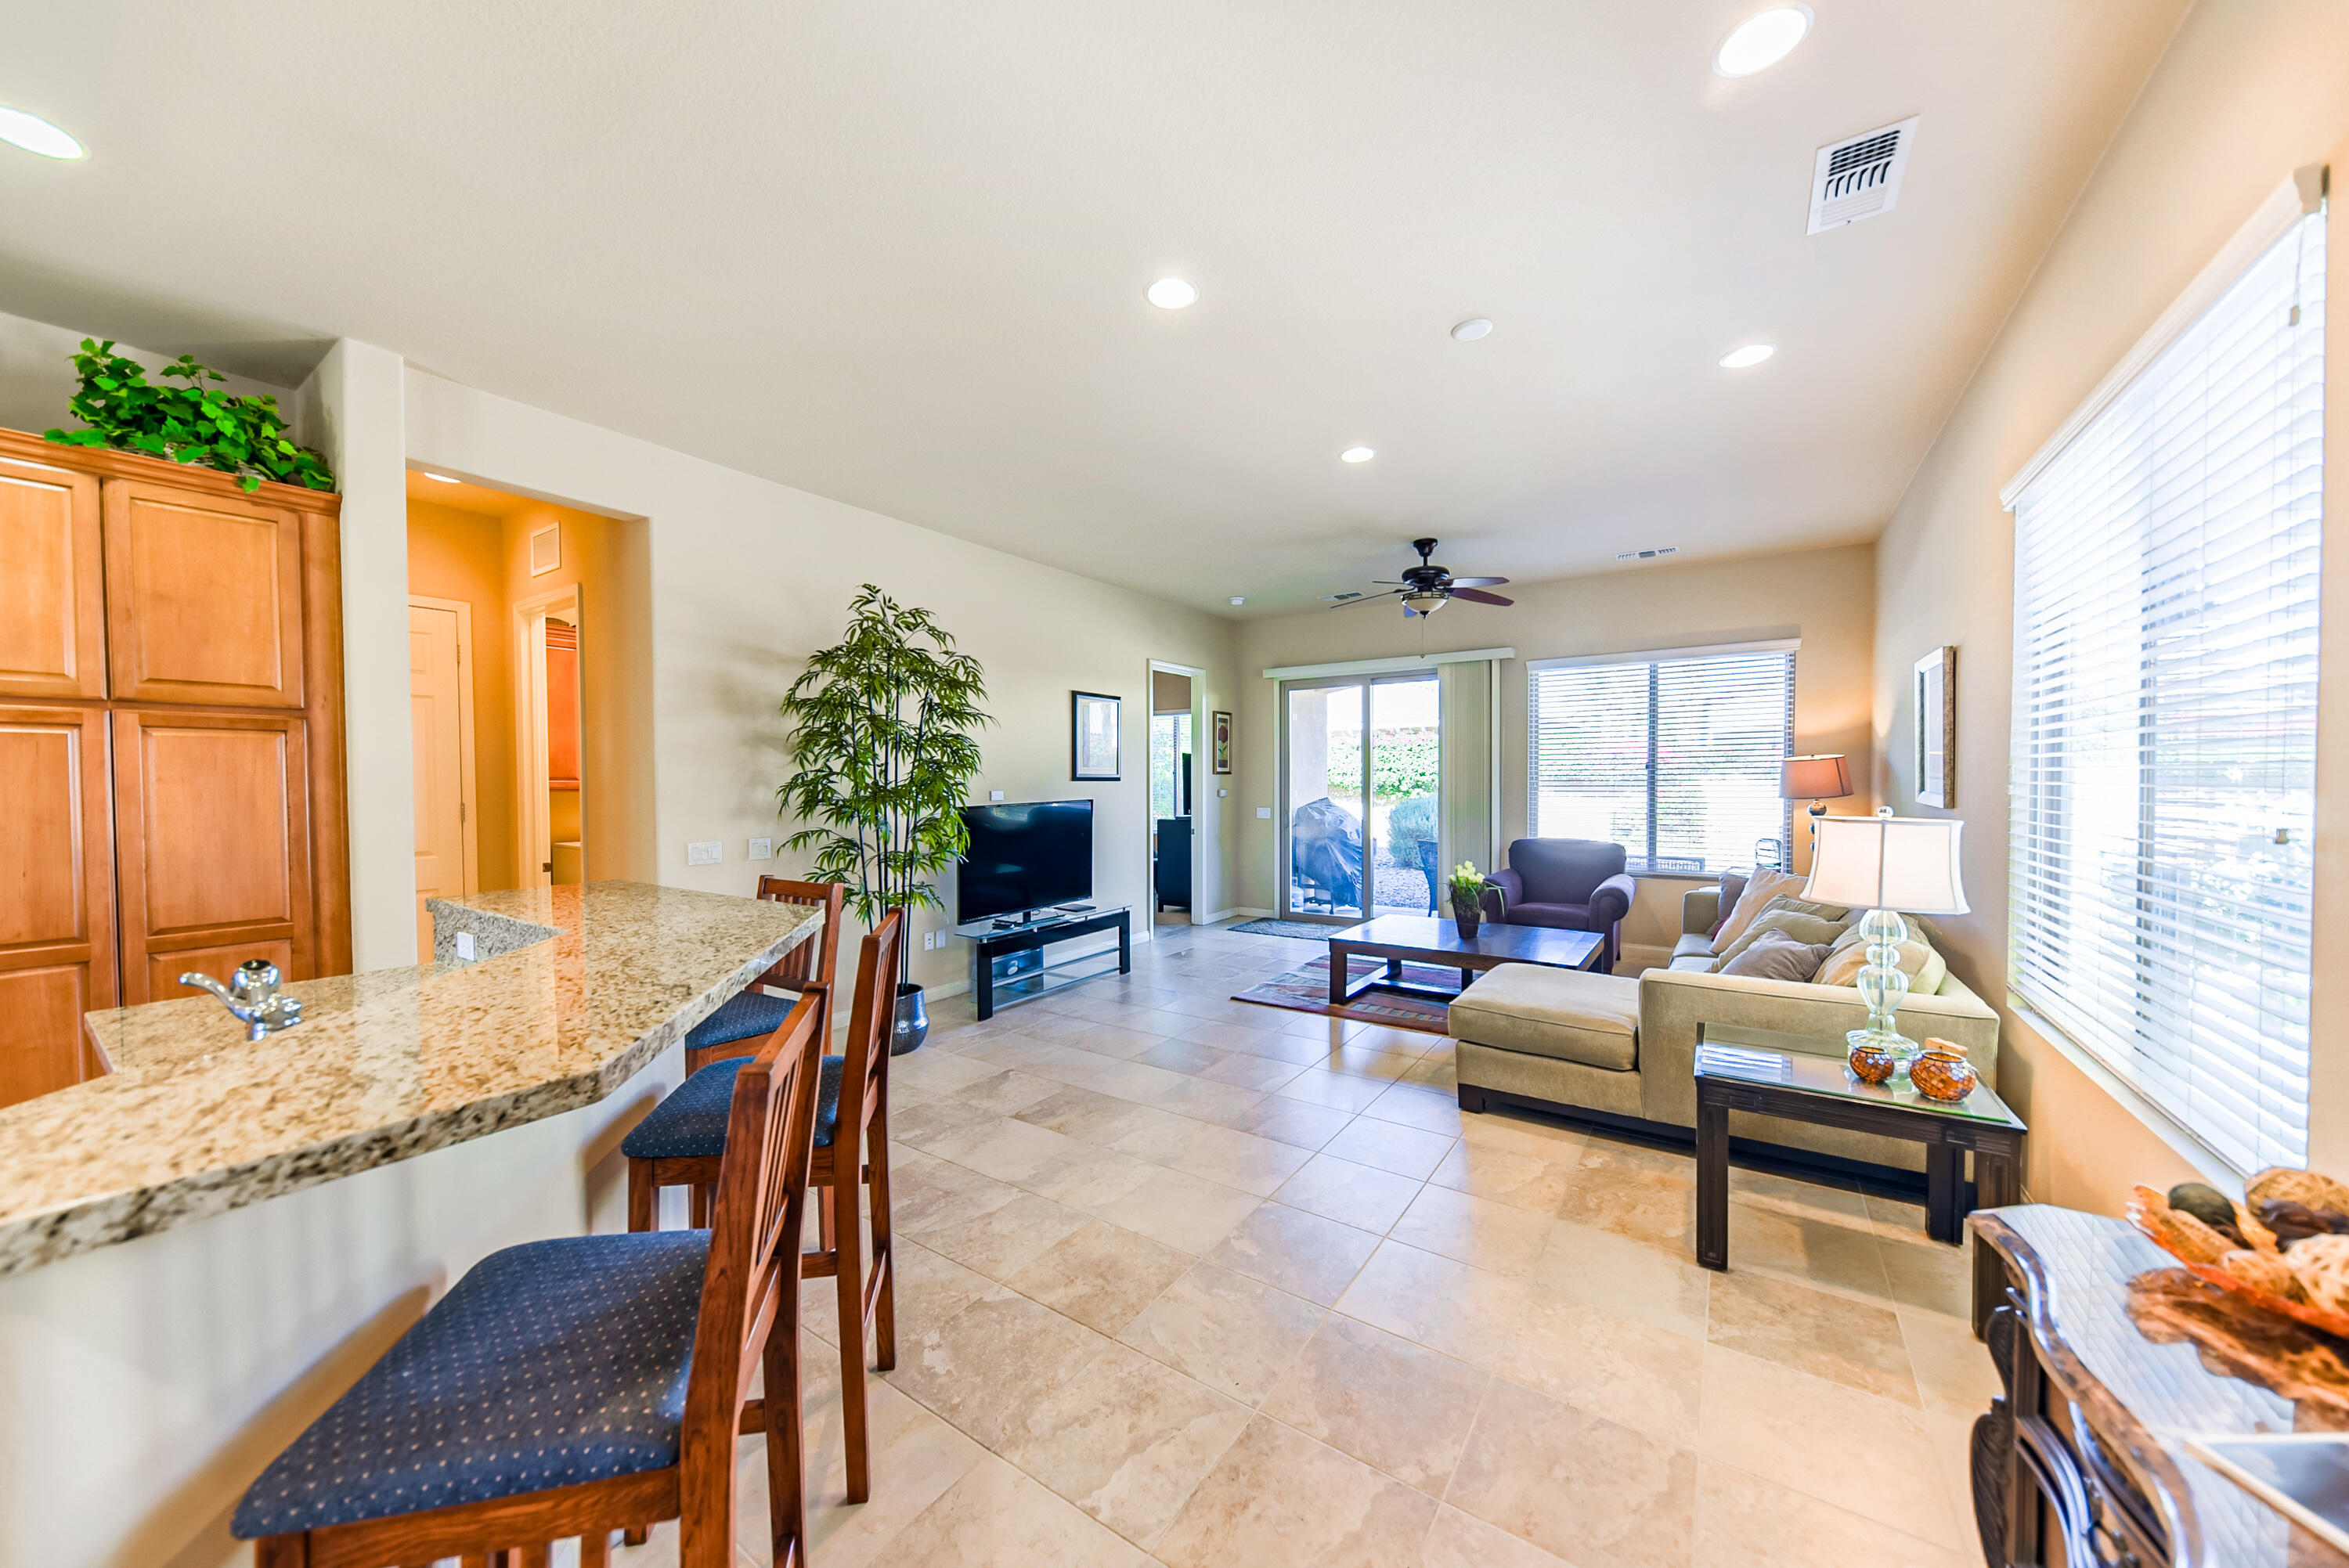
x=530, y=709
x=1286, y=908
x=1198, y=792
x=469, y=799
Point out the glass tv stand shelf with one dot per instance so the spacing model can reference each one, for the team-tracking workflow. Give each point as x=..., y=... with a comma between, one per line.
x=991, y=942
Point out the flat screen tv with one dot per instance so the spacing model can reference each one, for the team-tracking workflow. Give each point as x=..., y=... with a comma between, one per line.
x=1029, y=855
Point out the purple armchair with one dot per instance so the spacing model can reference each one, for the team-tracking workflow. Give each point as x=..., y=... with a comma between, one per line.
x=1574, y=884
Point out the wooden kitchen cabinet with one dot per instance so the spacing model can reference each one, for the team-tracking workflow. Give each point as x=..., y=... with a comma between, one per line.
x=171, y=740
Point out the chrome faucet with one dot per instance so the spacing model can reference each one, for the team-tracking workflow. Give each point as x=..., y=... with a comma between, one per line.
x=252, y=996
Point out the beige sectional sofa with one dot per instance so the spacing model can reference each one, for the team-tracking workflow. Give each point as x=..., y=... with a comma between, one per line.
x=1577, y=1042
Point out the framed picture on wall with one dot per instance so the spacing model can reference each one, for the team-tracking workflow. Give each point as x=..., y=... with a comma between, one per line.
x=1937, y=728
x=1222, y=725
x=1093, y=735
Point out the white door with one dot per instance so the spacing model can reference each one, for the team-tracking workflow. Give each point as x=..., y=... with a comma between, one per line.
x=437, y=693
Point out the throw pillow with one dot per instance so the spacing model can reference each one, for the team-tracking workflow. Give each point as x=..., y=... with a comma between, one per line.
x=1793, y=922
x=1924, y=968
x=1774, y=956
x=1761, y=886
x=1733, y=887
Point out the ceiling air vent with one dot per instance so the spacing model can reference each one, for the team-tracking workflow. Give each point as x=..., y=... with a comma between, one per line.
x=1860, y=177
x=1657, y=554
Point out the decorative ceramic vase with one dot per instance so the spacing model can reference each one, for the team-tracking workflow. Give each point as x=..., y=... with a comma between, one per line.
x=913, y=1022
x=1872, y=1064
x=1466, y=916
x=1941, y=1072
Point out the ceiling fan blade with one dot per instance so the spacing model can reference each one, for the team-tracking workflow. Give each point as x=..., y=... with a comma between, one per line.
x=1478, y=596
x=1478, y=581
x=1389, y=582
x=1365, y=599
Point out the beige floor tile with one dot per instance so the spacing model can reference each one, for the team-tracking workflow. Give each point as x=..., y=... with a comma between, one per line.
x=1363, y=1196
x=1060, y=1060
x=996, y=1515
x=1469, y=1229
x=1234, y=1334
x=1526, y=1133
x=1386, y=1037
x=1633, y=1373
x=1103, y=1275
x=1745, y=1521
x=929, y=1289
x=1415, y=1105
x=1458, y=1540
x=1222, y=1154
x=1339, y=1091
x=1796, y=1429
x=1930, y=1277
x=915, y=1455
x=1302, y=1254
x=1278, y=1497
x=1209, y=1004
x=1599, y=1494
x=1083, y=1113
x=1278, y=1044
x=1392, y=1403
x=1434, y=1072
x=1127, y=1440
x=1505, y=1175
x=1205, y=1100
x=930, y=1194
x=1628, y=1278
x=1832, y=1251
x=1089, y=1178
x=1377, y=1063
x=1009, y=1091
x=1002, y=1240
x=1185, y=1211
x=1832, y=1337
x=941, y=1072
x=1955, y=1374
x=1250, y=1070
x=1405, y=1151
x=1295, y=1121
x=920, y=1123
x=1897, y=1219
x=990, y=1361
x=1182, y=1055
x=1137, y=1081
x=1116, y=1037
x=1008, y=1149
x=1643, y=1193
x=1465, y=1312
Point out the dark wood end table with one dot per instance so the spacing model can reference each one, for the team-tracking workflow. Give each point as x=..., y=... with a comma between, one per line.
x=1821, y=1090
x=1418, y=939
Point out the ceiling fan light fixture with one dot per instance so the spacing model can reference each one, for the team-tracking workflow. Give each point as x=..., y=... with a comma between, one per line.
x=1174, y=293
x=1357, y=454
x=1425, y=604
x=1763, y=40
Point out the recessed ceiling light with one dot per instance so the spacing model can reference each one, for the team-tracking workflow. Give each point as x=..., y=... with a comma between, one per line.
x=1751, y=355
x=444, y=478
x=1239, y=598
x=1760, y=42
x=1357, y=454
x=1474, y=327
x=1173, y=293
x=33, y=134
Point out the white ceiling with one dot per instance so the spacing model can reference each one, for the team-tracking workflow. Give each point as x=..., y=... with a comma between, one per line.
x=896, y=253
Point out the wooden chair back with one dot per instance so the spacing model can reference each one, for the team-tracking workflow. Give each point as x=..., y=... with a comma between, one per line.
x=751, y=1295
x=871, y=1026
x=810, y=963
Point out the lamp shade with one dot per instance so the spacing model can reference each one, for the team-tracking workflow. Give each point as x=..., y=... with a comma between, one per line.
x=1823, y=778
x=1907, y=864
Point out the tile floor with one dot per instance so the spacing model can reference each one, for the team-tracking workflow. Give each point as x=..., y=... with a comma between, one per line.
x=1188, y=1282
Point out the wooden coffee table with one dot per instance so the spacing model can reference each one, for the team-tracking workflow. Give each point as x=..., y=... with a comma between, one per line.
x=1416, y=938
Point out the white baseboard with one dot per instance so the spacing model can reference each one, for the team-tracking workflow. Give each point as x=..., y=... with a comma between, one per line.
x=1213, y=915
x=1241, y=912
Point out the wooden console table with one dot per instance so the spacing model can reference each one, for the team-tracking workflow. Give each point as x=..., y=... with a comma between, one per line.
x=2085, y=1453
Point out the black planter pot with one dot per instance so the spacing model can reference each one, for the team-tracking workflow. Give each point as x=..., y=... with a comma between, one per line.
x=913, y=1021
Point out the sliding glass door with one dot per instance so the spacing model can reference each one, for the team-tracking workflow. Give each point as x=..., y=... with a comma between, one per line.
x=1360, y=797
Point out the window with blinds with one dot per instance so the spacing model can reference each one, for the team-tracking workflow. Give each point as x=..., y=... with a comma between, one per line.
x=2165, y=715
x=1674, y=759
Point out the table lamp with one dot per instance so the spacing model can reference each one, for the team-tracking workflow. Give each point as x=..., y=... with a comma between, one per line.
x=1886, y=863
x=1817, y=779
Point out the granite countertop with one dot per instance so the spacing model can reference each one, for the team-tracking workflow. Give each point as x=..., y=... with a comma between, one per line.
x=194, y=1120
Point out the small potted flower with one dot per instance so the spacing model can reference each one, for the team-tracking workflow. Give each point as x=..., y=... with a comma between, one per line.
x=1467, y=899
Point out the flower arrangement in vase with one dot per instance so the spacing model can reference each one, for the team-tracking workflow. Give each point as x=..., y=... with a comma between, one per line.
x=1467, y=899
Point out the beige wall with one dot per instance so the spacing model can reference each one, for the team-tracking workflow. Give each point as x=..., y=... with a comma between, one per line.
x=1826, y=597
x=2248, y=90
x=461, y=555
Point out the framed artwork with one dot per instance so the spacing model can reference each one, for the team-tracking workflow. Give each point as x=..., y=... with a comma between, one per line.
x=1093, y=735
x=1222, y=754
x=1937, y=728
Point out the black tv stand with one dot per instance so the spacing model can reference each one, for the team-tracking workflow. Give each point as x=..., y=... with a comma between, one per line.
x=992, y=940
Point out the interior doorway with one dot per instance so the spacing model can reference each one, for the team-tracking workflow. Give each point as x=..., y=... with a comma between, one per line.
x=440, y=662
x=552, y=807
x=1361, y=796
x=1177, y=692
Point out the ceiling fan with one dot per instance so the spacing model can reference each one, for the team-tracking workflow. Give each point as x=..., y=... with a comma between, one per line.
x=1427, y=587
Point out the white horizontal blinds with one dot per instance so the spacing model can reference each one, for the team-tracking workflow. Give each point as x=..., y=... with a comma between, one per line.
x=1675, y=760
x=2165, y=716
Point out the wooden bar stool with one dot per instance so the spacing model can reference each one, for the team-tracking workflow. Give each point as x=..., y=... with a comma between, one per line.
x=682, y=1144
x=743, y=1020
x=580, y=1385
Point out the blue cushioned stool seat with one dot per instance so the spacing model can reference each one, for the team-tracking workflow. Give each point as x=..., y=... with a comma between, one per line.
x=550, y=1363
x=690, y=1124
x=744, y=1017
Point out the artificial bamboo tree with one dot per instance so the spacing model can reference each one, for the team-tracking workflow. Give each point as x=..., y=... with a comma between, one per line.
x=881, y=726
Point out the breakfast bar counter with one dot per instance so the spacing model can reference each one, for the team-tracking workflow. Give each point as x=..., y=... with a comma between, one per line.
x=200, y=1246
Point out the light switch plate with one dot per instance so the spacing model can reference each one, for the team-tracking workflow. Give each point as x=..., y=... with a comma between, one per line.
x=464, y=944
x=704, y=853
x=995, y=794
x=1264, y=812
x=762, y=848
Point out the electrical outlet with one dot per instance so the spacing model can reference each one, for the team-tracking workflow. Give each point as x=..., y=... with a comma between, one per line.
x=995, y=794
x=704, y=853
x=1264, y=813
x=929, y=940
x=464, y=944
x=762, y=848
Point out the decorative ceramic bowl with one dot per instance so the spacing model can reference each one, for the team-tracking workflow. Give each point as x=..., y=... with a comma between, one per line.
x=1872, y=1064
x=1941, y=1072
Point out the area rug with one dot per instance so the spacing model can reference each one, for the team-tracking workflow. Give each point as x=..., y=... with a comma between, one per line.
x=1303, y=930
x=1306, y=990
